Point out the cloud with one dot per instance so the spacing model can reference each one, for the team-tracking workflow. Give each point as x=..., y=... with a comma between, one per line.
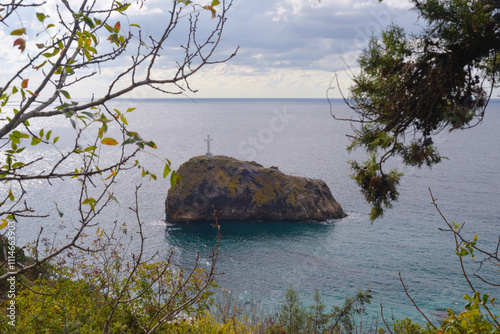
x=280, y=41
x=302, y=33
x=399, y=4
x=225, y=80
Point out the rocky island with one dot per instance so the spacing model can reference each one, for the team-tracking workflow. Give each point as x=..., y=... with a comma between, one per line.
x=246, y=191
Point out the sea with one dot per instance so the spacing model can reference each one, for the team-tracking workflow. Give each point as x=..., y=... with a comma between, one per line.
x=259, y=261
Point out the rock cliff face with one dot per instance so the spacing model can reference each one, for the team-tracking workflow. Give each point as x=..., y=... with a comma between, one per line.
x=242, y=190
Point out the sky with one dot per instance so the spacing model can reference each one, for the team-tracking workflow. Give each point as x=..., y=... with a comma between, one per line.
x=287, y=48
x=294, y=48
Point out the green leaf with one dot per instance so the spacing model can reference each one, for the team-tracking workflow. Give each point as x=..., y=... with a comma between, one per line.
x=88, y=21
x=486, y=297
x=90, y=149
x=61, y=214
x=5, y=100
x=114, y=199
x=89, y=114
x=17, y=165
x=51, y=54
x=175, y=178
x=40, y=66
x=108, y=28
x=166, y=171
x=55, y=140
x=40, y=16
x=87, y=55
x=127, y=141
x=151, y=144
x=36, y=141
x=122, y=7
x=91, y=202
x=15, y=134
x=66, y=94
x=109, y=141
x=215, y=3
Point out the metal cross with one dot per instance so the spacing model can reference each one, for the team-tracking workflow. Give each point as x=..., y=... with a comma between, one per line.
x=208, y=140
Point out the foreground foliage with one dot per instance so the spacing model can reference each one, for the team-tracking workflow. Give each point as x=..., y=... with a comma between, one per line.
x=110, y=292
x=49, y=139
x=293, y=317
x=60, y=49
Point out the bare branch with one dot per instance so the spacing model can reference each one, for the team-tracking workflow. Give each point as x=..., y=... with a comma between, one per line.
x=415, y=304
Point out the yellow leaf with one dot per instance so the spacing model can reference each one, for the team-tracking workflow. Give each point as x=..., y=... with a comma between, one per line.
x=18, y=32
x=109, y=141
x=4, y=224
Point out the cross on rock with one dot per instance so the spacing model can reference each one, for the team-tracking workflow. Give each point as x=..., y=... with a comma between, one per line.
x=208, y=140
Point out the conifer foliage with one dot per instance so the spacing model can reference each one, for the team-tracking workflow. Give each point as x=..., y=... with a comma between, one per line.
x=411, y=87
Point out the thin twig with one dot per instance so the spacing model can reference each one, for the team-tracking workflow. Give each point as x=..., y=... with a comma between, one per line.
x=383, y=319
x=415, y=304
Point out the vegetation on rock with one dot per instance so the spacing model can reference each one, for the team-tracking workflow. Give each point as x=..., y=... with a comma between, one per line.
x=242, y=190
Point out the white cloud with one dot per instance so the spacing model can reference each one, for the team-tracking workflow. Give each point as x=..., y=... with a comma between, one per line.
x=282, y=42
x=399, y=4
x=226, y=81
x=150, y=7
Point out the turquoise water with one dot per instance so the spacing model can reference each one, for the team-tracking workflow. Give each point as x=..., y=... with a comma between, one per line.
x=336, y=257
